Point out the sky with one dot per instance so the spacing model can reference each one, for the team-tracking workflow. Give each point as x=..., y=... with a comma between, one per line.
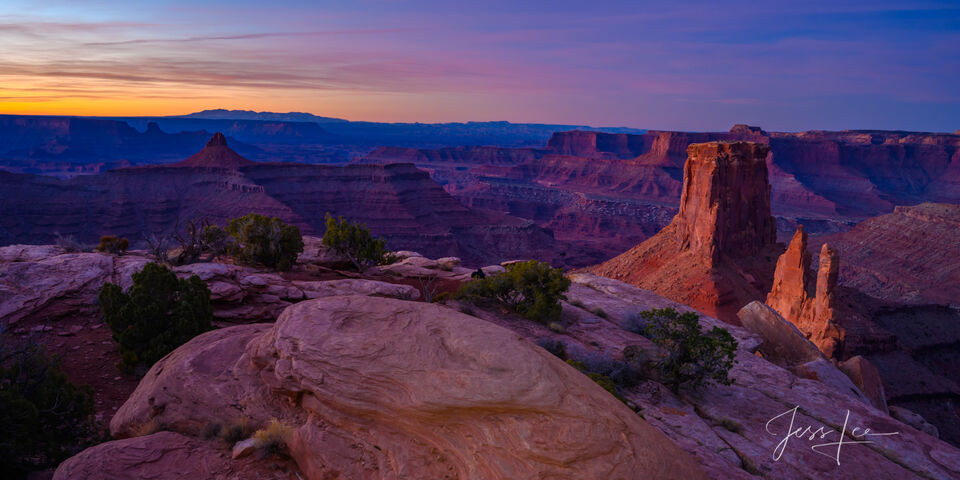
x=680, y=65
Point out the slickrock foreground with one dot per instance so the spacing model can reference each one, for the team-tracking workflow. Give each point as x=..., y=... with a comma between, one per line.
x=716, y=254
x=371, y=385
x=378, y=388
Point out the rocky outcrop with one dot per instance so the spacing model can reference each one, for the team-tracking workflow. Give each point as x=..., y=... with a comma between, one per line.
x=166, y=456
x=785, y=346
x=811, y=307
x=911, y=255
x=46, y=283
x=380, y=388
x=713, y=255
x=867, y=378
x=733, y=430
x=782, y=344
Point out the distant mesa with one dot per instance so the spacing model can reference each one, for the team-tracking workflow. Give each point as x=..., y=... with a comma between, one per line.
x=742, y=129
x=215, y=155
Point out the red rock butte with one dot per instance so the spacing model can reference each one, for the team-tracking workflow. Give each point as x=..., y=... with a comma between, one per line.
x=215, y=155
x=717, y=253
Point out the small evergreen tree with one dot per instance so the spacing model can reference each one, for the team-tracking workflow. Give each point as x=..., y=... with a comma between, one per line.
x=689, y=356
x=45, y=418
x=268, y=241
x=354, y=241
x=158, y=313
x=532, y=289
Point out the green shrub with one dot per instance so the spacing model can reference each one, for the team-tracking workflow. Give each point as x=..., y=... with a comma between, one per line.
x=532, y=289
x=267, y=241
x=217, y=240
x=45, y=418
x=158, y=314
x=112, y=244
x=354, y=241
x=689, y=356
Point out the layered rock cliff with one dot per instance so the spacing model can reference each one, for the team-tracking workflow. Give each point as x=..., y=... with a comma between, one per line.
x=398, y=201
x=716, y=253
x=910, y=255
x=824, y=180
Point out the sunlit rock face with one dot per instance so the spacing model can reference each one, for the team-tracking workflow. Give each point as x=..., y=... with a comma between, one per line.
x=716, y=253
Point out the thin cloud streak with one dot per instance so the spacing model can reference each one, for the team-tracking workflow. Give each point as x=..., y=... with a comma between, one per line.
x=618, y=63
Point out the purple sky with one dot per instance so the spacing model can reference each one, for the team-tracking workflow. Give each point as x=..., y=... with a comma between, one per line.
x=664, y=65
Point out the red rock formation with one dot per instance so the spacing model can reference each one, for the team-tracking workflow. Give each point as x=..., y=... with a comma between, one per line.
x=809, y=307
x=911, y=255
x=713, y=255
x=215, y=155
x=825, y=180
x=377, y=388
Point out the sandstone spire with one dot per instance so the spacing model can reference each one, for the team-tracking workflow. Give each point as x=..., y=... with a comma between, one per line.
x=811, y=310
x=713, y=255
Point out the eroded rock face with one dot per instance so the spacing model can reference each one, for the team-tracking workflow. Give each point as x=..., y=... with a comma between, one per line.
x=713, y=255
x=380, y=388
x=911, y=255
x=725, y=201
x=811, y=308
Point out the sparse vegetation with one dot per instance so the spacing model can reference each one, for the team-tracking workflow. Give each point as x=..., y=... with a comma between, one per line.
x=68, y=243
x=354, y=241
x=112, y=244
x=429, y=285
x=267, y=241
x=272, y=439
x=240, y=429
x=157, y=314
x=532, y=289
x=577, y=303
x=556, y=327
x=45, y=418
x=688, y=356
x=159, y=247
x=730, y=424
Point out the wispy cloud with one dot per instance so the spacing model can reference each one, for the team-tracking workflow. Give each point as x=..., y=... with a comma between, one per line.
x=683, y=65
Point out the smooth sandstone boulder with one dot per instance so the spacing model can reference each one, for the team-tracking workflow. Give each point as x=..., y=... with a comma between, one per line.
x=867, y=378
x=782, y=344
x=380, y=388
